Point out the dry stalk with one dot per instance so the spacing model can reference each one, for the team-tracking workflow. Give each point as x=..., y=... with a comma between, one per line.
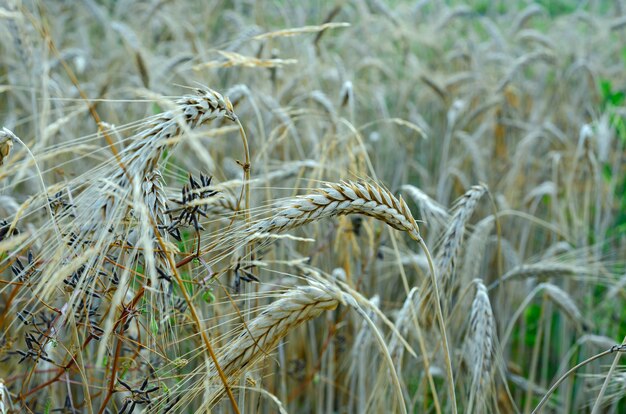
x=555, y=294
x=361, y=345
x=615, y=349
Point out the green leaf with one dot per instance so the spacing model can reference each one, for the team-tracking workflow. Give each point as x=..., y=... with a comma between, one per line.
x=531, y=316
x=208, y=296
x=605, y=88
x=618, y=98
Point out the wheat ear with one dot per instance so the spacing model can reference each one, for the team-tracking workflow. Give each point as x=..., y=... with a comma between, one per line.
x=141, y=158
x=154, y=196
x=443, y=265
x=338, y=199
x=481, y=337
x=476, y=246
x=544, y=269
x=453, y=236
x=296, y=306
x=108, y=201
x=565, y=302
x=451, y=245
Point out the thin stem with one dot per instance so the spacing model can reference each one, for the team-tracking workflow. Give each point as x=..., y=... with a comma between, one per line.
x=385, y=352
x=544, y=400
x=246, y=170
x=198, y=322
x=118, y=348
x=596, y=405
x=43, y=188
x=442, y=325
x=420, y=338
x=245, y=192
x=425, y=361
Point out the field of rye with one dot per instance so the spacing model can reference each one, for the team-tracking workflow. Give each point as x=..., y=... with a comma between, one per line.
x=342, y=206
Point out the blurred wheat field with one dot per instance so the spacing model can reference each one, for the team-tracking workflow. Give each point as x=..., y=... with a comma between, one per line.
x=343, y=206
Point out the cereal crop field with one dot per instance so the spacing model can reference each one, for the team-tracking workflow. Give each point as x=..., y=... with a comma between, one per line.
x=324, y=206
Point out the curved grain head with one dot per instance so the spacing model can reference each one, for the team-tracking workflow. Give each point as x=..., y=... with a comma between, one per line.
x=256, y=341
x=338, y=199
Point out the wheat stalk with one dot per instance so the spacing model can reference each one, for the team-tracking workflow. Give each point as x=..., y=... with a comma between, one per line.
x=555, y=294
x=443, y=265
x=359, y=374
x=293, y=308
x=522, y=18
